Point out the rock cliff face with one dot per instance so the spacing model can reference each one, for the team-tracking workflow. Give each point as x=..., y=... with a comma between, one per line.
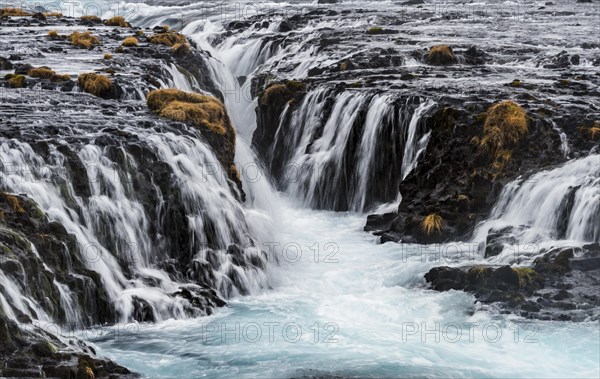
x=109, y=212
x=491, y=125
x=459, y=181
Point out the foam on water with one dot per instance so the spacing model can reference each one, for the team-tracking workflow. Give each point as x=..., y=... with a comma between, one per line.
x=363, y=303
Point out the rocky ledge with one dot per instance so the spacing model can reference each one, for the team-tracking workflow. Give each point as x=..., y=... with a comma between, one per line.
x=478, y=76
x=562, y=284
x=88, y=79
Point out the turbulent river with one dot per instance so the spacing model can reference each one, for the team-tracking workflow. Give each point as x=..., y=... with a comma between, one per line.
x=337, y=303
x=351, y=310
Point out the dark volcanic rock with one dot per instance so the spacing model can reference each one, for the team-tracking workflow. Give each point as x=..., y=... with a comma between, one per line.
x=36, y=353
x=561, y=285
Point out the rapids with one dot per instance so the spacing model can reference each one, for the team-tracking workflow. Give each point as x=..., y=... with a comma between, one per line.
x=331, y=302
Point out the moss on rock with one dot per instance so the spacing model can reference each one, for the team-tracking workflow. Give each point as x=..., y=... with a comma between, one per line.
x=84, y=39
x=98, y=85
x=441, y=55
x=117, y=21
x=168, y=38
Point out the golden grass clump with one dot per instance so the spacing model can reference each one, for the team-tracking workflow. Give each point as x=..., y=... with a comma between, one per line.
x=130, y=41
x=53, y=34
x=108, y=56
x=505, y=124
x=13, y=12
x=14, y=202
x=592, y=131
x=47, y=73
x=53, y=14
x=15, y=81
x=440, y=55
x=526, y=275
x=273, y=92
x=279, y=92
x=98, y=85
x=158, y=99
x=117, y=21
x=168, y=38
x=432, y=223
x=84, y=39
x=202, y=110
x=91, y=18
x=479, y=271
x=181, y=48
x=41, y=72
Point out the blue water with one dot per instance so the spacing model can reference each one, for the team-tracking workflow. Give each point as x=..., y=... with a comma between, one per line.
x=366, y=315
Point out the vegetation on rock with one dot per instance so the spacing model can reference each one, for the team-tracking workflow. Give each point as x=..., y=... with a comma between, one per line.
x=14, y=202
x=180, y=49
x=516, y=83
x=84, y=39
x=98, y=85
x=432, y=223
x=117, y=21
x=206, y=113
x=506, y=122
x=374, y=30
x=15, y=81
x=278, y=92
x=4, y=12
x=53, y=34
x=202, y=110
x=441, y=55
x=168, y=38
x=91, y=19
x=130, y=41
x=592, y=132
x=526, y=275
x=47, y=73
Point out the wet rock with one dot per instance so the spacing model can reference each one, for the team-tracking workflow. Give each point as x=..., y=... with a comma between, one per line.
x=560, y=61
x=23, y=69
x=475, y=56
x=446, y=278
x=497, y=239
x=561, y=285
x=5, y=64
x=39, y=16
x=284, y=26
x=36, y=353
x=440, y=55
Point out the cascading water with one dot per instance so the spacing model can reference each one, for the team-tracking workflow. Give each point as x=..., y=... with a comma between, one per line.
x=348, y=151
x=361, y=308
x=558, y=204
x=120, y=236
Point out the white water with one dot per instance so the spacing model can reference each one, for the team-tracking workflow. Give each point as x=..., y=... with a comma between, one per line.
x=363, y=301
x=369, y=296
x=367, y=301
x=113, y=225
x=551, y=205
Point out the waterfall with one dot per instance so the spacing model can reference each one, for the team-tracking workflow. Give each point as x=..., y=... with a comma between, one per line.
x=415, y=146
x=558, y=204
x=122, y=233
x=348, y=150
